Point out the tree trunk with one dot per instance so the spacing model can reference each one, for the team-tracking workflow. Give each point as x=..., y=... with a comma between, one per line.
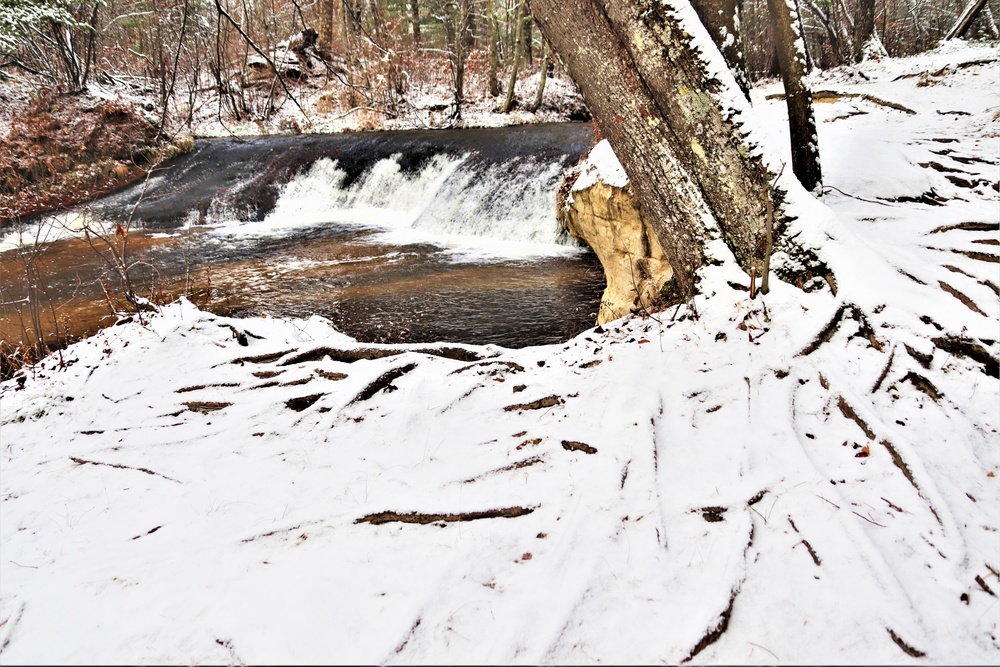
x=652, y=97
x=508, y=102
x=864, y=27
x=541, y=80
x=415, y=21
x=493, y=82
x=722, y=19
x=966, y=19
x=326, y=23
x=798, y=96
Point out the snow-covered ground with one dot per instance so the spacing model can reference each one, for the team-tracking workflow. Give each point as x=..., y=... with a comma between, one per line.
x=725, y=487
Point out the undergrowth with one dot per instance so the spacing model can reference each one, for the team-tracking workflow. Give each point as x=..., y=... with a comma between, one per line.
x=65, y=149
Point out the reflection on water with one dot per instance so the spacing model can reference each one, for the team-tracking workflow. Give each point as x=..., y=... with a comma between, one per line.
x=372, y=291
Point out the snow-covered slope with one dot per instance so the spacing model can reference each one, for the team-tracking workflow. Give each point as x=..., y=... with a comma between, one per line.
x=801, y=478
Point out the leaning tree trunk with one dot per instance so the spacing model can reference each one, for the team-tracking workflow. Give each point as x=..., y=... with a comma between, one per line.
x=798, y=96
x=966, y=19
x=653, y=98
x=864, y=27
x=722, y=19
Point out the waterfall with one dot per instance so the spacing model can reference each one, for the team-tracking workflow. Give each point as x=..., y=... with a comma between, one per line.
x=456, y=201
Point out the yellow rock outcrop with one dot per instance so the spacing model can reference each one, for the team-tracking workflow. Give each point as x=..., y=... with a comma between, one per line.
x=607, y=218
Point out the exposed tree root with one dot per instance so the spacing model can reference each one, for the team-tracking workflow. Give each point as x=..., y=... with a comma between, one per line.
x=261, y=358
x=350, y=356
x=409, y=636
x=966, y=348
x=205, y=407
x=327, y=375
x=885, y=371
x=849, y=413
x=547, y=402
x=980, y=256
x=924, y=385
x=509, y=365
x=382, y=382
x=713, y=514
x=969, y=226
x=184, y=390
x=982, y=584
x=379, y=518
x=715, y=633
x=302, y=402
x=573, y=446
x=80, y=461
x=826, y=333
x=907, y=649
x=921, y=358
x=966, y=301
x=513, y=466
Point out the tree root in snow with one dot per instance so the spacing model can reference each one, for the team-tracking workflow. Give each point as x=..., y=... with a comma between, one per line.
x=573, y=446
x=966, y=301
x=715, y=633
x=205, y=407
x=827, y=332
x=302, y=402
x=924, y=385
x=379, y=518
x=971, y=350
x=547, y=402
x=383, y=381
x=907, y=649
x=81, y=462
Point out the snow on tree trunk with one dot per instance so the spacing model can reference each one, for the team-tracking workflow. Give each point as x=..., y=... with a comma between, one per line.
x=864, y=29
x=966, y=19
x=798, y=96
x=722, y=19
x=658, y=100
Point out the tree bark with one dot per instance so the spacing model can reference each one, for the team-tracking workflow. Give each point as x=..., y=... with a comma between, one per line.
x=508, y=102
x=653, y=99
x=864, y=27
x=533, y=107
x=493, y=82
x=326, y=23
x=798, y=96
x=722, y=19
x=966, y=19
x=415, y=21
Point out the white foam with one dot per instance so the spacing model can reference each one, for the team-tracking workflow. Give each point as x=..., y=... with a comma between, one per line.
x=471, y=209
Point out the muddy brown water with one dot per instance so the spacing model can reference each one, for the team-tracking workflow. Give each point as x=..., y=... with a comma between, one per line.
x=371, y=289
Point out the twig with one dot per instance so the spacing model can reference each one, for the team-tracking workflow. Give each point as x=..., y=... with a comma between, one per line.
x=868, y=520
x=831, y=502
x=239, y=29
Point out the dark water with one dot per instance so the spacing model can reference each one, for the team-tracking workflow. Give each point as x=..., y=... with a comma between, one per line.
x=461, y=196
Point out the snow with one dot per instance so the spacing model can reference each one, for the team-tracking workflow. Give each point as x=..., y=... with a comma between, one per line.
x=166, y=497
x=601, y=165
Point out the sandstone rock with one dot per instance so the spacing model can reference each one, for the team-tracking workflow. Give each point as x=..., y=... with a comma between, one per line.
x=607, y=218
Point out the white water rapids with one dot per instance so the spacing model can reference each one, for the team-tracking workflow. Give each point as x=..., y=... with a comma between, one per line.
x=505, y=210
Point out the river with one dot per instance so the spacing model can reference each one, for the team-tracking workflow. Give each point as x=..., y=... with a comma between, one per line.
x=413, y=236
